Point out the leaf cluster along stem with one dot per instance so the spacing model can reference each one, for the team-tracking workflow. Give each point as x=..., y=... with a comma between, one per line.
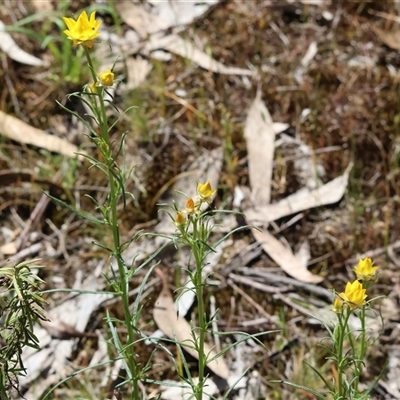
x=341, y=360
x=198, y=256
x=112, y=221
x=363, y=349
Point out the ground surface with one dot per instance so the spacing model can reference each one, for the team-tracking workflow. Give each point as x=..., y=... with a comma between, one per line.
x=342, y=103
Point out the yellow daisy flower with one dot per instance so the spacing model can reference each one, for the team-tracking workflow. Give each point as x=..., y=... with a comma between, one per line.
x=84, y=30
x=364, y=270
x=205, y=191
x=354, y=294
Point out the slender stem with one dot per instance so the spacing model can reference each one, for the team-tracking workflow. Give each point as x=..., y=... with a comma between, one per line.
x=198, y=256
x=115, y=190
x=341, y=360
x=363, y=348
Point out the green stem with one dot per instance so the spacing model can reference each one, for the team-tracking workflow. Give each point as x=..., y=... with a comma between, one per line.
x=197, y=253
x=363, y=348
x=129, y=352
x=341, y=360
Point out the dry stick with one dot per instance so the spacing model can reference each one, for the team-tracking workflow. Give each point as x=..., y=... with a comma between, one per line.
x=256, y=284
x=281, y=279
x=36, y=214
x=33, y=219
x=214, y=324
x=295, y=306
x=61, y=239
x=374, y=253
x=27, y=252
x=248, y=298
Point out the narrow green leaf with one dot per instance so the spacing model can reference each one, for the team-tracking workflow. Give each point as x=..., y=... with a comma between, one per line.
x=82, y=214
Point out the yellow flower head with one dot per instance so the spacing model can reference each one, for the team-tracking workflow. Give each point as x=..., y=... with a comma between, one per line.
x=180, y=219
x=107, y=77
x=190, y=206
x=205, y=191
x=364, y=270
x=84, y=30
x=354, y=294
x=337, y=306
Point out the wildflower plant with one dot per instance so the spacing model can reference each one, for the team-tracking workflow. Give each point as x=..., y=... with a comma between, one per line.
x=194, y=228
x=349, y=346
x=194, y=231
x=192, y=223
x=83, y=33
x=21, y=306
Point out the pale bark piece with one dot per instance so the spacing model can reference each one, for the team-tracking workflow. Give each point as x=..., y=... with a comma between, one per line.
x=42, y=6
x=9, y=249
x=175, y=44
x=21, y=132
x=310, y=54
x=174, y=390
x=180, y=12
x=137, y=69
x=390, y=38
x=260, y=141
x=152, y=28
x=176, y=327
x=139, y=19
x=280, y=127
x=13, y=51
x=302, y=200
x=284, y=257
x=307, y=167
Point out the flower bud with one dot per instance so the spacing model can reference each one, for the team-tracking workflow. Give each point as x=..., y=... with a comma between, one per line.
x=205, y=191
x=180, y=219
x=107, y=77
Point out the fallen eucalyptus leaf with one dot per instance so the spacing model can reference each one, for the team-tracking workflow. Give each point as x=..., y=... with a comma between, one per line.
x=11, y=48
x=21, y=132
x=304, y=199
x=260, y=142
x=284, y=257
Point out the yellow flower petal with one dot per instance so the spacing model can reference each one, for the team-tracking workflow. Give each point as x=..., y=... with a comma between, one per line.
x=205, y=191
x=364, y=270
x=82, y=31
x=354, y=294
